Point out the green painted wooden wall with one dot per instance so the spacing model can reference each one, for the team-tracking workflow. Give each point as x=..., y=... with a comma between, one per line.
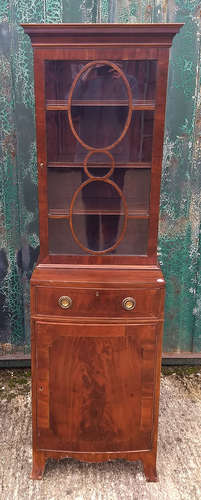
x=179, y=240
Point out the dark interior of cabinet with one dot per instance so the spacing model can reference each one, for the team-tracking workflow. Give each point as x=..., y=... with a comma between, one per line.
x=61, y=74
x=64, y=181
x=98, y=210
x=136, y=146
x=98, y=233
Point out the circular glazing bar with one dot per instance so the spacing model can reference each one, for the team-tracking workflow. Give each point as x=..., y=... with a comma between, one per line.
x=111, y=169
x=82, y=186
x=130, y=102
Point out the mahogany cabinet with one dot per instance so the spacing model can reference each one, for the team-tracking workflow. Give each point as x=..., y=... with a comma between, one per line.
x=97, y=292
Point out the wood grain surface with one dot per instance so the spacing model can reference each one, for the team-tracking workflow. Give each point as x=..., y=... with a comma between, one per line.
x=95, y=387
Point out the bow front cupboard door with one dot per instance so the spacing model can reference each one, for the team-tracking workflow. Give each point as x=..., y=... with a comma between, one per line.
x=95, y=387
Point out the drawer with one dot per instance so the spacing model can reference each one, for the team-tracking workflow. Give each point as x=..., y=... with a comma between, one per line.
x=97, y=302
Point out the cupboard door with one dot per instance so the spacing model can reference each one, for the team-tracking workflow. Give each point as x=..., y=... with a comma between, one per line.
x=95, y=386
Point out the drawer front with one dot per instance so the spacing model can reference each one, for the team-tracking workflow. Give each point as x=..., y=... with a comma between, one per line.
x=91, y=302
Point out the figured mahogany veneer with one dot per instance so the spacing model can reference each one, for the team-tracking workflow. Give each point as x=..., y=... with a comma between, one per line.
x=98, y=302
x=96, y=367
x=95, y=364
x=86, y=387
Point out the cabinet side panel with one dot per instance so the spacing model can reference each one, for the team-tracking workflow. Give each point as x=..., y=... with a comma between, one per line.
x=39, y=79
x=34, y=379
x=157, y=148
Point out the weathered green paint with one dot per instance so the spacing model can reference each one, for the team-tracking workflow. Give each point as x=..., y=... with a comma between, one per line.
x=179, y=241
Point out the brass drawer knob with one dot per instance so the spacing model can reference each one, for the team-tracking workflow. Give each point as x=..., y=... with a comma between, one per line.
x=128, y=303
x=65, y=302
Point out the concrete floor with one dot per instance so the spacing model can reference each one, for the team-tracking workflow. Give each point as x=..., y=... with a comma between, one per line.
x=179, y=453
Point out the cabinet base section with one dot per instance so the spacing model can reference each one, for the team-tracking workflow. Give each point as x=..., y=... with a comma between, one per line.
x=148, y=459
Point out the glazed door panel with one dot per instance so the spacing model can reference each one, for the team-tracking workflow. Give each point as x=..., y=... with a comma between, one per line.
x=99, y=128
x=95, y=386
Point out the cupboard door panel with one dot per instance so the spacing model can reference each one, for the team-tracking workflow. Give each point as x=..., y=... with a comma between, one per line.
x=95, y=387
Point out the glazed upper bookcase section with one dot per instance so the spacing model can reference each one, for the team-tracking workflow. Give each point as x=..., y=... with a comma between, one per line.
x=159, y=35
x=100, y=110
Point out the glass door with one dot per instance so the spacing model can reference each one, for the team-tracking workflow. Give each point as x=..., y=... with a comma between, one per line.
x=99, y=121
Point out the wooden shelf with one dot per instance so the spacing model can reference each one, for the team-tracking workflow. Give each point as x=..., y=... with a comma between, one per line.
x=62, y=214
x=62, y=105
x=64, y=164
